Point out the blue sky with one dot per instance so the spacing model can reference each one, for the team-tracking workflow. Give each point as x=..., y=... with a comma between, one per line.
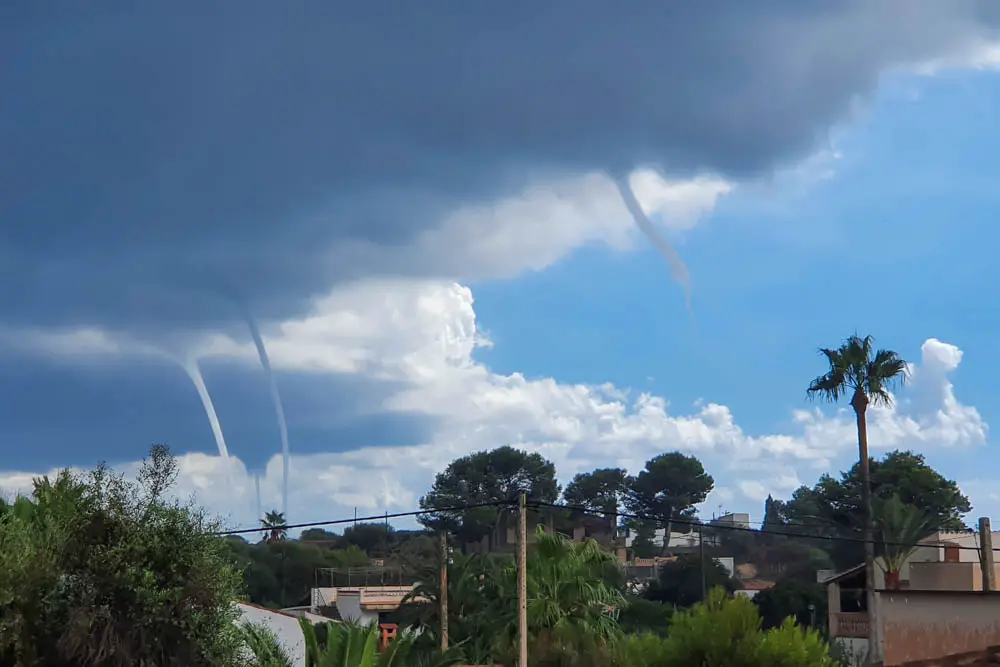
x=488, y=291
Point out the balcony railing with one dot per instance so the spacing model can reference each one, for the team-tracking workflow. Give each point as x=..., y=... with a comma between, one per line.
x=850, y=624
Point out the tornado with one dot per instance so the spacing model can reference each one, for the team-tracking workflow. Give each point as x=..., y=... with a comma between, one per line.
x=194, y=372
x=678, y=269
x=257, y=506
x=279, y=409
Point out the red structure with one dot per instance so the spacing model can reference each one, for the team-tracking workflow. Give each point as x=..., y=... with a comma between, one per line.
x=388, y=634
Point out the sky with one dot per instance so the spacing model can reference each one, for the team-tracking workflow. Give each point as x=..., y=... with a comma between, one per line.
x=420, y=211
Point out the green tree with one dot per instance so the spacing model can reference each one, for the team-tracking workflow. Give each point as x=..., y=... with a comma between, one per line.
x=324, y=539
x=868, y=376
x=375, y=539
x=835, y=505
x=602, y=490
x=900, y=527
x=804, y=602
x=774, y=514
x=641, y=615
x=275, y=526
x=726, y=632
x=486, y=477
x=642, y=544
x=281, y=574
x=574, y=592
x=680, y=582
x=475, y=603
x=100, y=570
x=668, y=488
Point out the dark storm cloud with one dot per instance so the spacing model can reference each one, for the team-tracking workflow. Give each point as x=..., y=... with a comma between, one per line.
x=50, y=417
x=155, y=155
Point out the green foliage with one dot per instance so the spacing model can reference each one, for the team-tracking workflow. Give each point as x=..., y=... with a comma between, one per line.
x=486, y=477
x=643, y=545
x=264, y=646
x=856, y=368
x=899, y=526
x=725, y=632
x=351, y=645
x=280, y=574
x=680, y=582
x=98, y=570
x=275, y=526
x=669, y=487
x=642, y=616
x=602, y=490
x=833, y=506
x=476, y=590
x=791, y=599
x=375, y=539
x=574, y=588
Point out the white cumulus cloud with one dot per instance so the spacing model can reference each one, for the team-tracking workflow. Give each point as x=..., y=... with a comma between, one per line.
x=423, y=335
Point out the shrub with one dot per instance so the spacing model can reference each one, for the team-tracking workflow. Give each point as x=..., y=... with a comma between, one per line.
x=725, y=632
x=97, y=570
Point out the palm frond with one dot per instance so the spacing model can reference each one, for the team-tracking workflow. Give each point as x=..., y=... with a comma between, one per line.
x=902, y=526
x=885, y=372
x=856, y=367
x=262, y=643
x=831, y=385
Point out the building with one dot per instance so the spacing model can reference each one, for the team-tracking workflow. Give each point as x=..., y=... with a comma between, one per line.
x=690, y=538
x=937, y=608
x=359, y=604
x=914, y=626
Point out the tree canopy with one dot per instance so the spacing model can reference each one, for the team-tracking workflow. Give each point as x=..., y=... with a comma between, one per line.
x=602, y=490
x=680, y=581
x=99, y=570
x=669, y=487
x=486, y=477
x=834, y=504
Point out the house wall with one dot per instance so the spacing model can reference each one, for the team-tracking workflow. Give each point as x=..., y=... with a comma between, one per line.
x=925, y=625
x=349, y=608
x=285, y=628
x=948, y=576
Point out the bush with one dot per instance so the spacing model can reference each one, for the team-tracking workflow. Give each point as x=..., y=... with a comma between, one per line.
x=725, y=632
x=96, y=570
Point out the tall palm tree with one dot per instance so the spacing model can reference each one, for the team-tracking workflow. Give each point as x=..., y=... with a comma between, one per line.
x=869, y=376
x=275, y=526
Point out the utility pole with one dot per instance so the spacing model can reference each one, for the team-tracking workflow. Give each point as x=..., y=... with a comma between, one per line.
x=522, y=580
x=986, y=554
x=444, y=591
x=701, y=550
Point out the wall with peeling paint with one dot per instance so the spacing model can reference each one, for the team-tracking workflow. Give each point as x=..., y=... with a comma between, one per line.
x=924, y=625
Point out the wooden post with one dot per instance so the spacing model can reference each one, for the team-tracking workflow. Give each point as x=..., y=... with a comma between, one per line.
x=444, y=591
x=522, y=580
x=986, y=554
x=701, y=557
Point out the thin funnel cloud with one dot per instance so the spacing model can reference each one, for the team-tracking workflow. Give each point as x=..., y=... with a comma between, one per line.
x=279, y=409
x=194, y=372
x=678, y=269
x=257, y=506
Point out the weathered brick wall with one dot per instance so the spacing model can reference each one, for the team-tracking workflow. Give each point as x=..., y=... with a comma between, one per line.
x=923, y=625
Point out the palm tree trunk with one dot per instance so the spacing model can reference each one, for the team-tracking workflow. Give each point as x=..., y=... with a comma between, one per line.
x=860, y=404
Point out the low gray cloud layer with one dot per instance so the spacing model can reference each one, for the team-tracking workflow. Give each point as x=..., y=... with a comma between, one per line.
x=157, y=155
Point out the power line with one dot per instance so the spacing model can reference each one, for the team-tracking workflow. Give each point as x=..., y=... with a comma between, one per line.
x=366, y=519
x=535, y=504
x=744, y=529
